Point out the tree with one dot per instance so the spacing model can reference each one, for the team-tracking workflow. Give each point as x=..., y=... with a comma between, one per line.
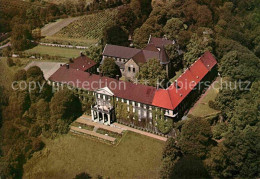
x=21, y=37
x=83, y=175
x=20, y=75
x=10, y=62
x=171, y=155
x=189, y=167
x=195, y=137
x=126, y=18
x=197, y=46
x=152, y=72
x=173, y=28
x=237, y=156
x=174, y=55
x=115, y=35
x=95, y=53
x=40, y=88
x=65, y=106
x=110, y=68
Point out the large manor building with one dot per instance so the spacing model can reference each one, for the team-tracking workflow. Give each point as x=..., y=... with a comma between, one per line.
x=130, y=60
x=107, y=98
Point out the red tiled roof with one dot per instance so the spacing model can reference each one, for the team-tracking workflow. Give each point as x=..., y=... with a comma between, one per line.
x=126, y=90
x=82, y=63
x=120, y=51
x=186, y=82
x=208, y=60
x=168, y=99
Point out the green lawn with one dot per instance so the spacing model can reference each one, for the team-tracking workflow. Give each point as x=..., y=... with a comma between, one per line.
x=136, y=156
x=201, y=108
x=55, y=51
x=69, y=41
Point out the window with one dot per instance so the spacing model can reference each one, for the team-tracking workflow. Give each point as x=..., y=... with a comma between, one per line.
x=134, y=70
x=129, y=69
x=150, y=114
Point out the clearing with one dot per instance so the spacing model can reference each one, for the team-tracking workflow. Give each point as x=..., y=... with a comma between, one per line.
x=89, y=26
x=54, y=51
x=136, y=156
x=201, y=107
x=52, y=28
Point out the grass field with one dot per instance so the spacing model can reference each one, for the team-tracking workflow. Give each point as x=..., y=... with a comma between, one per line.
x=136, y=156
x=201, y=108
x=7, y=73
x=55, y=51
x=88, y=26
x=69, y=41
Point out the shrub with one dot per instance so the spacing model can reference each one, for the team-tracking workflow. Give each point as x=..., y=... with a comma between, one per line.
x=20, y=75
x=10, y=62
x=213, y=105
x=37, y=145
x=219, y=130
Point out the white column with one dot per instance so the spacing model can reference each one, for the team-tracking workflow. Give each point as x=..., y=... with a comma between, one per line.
x=103, y=117
x=108, y=118
x=92, y=115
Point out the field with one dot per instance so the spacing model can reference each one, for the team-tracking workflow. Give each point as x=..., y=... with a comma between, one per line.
x=69, y=41
x=88, y=26
x=55, y=51
x=52, y=28
x=201, y=108
x=7, y=73
x=136, y=156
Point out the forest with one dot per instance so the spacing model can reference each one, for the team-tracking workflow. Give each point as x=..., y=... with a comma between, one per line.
x=226, y=146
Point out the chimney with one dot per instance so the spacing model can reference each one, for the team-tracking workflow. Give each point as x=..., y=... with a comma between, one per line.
x=60, y=65
x=81, y=53
x=67, y=66
x=117, y=77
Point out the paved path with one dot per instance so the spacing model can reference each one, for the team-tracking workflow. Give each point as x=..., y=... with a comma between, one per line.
x=52, y=28
x=6, y=45
x=98, y=125
x=48, y=68
x=140, y=132
x=84, y=131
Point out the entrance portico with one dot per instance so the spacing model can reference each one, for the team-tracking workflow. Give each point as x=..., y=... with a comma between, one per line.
x=102, y=114
x=103, y=111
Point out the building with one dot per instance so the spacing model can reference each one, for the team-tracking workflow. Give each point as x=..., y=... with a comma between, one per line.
x=130, y=60
x=84, y=63
x=140, y=101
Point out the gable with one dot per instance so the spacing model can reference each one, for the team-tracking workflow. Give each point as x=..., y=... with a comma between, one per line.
x=105, y=91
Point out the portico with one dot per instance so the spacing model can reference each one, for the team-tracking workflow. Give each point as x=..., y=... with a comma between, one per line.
x=103, y=111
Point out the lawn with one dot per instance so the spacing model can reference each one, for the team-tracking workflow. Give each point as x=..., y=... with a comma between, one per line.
x=55, y=51
x=136, y=156
x=89, y=26
x=201, y=108
x=7, y=73
x=69, y=41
